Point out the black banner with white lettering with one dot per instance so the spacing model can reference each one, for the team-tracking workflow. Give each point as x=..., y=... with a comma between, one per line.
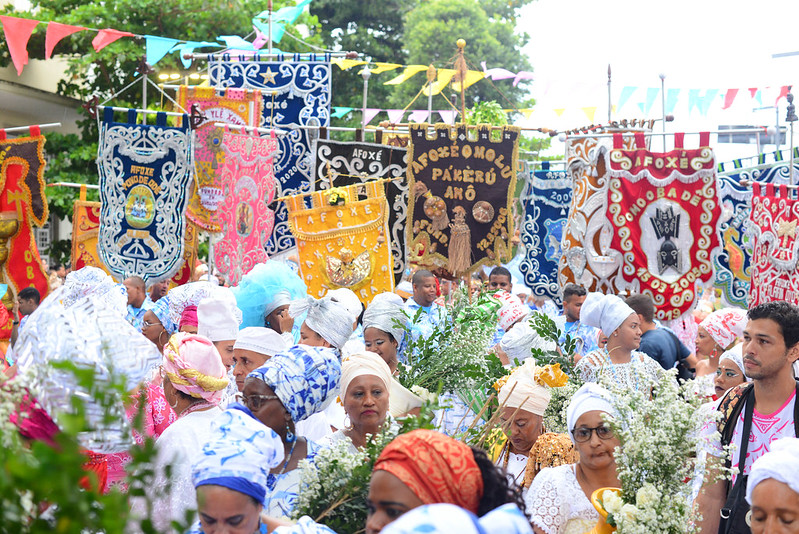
x=352, y=163
x=462, y=183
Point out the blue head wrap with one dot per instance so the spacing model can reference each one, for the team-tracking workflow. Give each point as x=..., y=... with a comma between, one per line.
x=304, y=378
x=441, y=518
x=240, y=455
x=161, y=310
x=263, y=287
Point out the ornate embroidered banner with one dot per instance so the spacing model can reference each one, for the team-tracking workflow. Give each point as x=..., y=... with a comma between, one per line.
x=774, y=218
x=23, y=204
x=546, y=211
x=248, y=182
x=665, y=210
x=462, y=185
x=145, y=172
x=352, y=163
x=734, y=265
x=341, y=240
x=233, y=106
x=185, y=272
x=297, y=95
x=85, y=229
x=587, y=257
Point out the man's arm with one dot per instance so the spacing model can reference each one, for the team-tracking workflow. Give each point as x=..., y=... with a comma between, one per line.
x=711, y=499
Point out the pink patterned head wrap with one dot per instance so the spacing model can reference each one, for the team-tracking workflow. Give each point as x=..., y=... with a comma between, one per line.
x=188, y=317
x=194, y=366
x=725, y=326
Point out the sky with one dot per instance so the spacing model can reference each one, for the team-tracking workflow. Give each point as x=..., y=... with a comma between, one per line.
x=696, y=44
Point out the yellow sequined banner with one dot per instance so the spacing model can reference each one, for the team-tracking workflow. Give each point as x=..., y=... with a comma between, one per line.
x=85, y=226
x=344, y=245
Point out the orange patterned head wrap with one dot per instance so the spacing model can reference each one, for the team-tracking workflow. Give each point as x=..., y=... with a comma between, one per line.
x=436, y=468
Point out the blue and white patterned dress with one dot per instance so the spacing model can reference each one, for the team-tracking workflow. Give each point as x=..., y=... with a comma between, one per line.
x=282, y=490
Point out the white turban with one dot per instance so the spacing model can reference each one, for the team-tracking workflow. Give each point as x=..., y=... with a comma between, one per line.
x=512, y=311
x=725, y=326
x=383, y=311
x=604, y=311
x=326, y=317
x=518, y=342
x=526, y=393
x=364, y=363
x=588, y=398
x=261, y=340
x=781, y=463
x=736, y=355
x=348, y=299
x=218, y=317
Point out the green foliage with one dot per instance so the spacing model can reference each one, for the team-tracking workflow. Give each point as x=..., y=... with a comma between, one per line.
x=46, y=489
x=488, y=112
x=549, y=331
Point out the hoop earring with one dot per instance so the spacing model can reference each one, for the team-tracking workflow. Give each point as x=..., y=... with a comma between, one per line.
x=161, y=334
x=290, y=437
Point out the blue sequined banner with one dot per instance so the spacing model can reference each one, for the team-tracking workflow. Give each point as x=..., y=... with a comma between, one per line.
x=296, y=91
x=733, y=265
x=145, y=171
x=546, y=209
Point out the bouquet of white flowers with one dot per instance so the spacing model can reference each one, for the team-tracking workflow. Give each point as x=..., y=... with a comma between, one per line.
x=659, y=434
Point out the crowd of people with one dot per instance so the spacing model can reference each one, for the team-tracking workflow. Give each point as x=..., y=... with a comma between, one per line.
x=254, y=381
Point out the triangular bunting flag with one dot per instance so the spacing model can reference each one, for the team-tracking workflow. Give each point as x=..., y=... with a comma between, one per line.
x=382, y=67
x=559, y=111
x=447, y=115
x=420, y=115
x=346, y=64
x=406, y=74
x=693, y=100
x=107, y=36
x=444, y=76
x=590, y=112
x=522, y=75
x=651, y=94
x=55, y=32
x=18, y=32
x=671, y=99
x=395, y=115
x=729, y=98
x=339, y=111
x=472, y=77
x=527, y=112
x=783, y=93
x=369, y=114
x=188, y=47
x=496, y=73
x=236, y=42
x=710, y=94
x=626, y=93
x=157, y=48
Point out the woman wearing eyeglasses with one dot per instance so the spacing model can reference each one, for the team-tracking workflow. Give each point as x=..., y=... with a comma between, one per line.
x=559, y=498
x=289, y=388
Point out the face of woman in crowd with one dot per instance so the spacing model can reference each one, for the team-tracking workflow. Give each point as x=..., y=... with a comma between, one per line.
x=388, y=499
x=775, y=508
x=225, y=349
x=595, y=453
x=524, y=429
x=224, y=511
x=382, y=344
x=705, y=345
x=629, y=333
x=245, y=362
x=279, y=319
x=153, y=330
x=727, y=376
x=366, y=401
x=265, y=405
x=311, y=338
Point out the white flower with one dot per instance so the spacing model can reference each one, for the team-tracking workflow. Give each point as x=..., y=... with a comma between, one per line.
x=423, y=394
x=647, y=496
x=629, y=512
x=611, y=502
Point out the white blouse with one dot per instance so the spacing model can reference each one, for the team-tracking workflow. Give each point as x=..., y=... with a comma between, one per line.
x=557, y=504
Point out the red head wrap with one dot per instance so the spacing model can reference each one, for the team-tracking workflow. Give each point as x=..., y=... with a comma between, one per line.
x=436, y=468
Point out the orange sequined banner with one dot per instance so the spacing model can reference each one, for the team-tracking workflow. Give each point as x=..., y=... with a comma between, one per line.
x=344, y=244
x=85, y=227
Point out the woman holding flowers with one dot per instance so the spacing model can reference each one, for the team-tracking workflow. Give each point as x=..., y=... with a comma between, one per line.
x=619, y=364
x=558, y=501
x=365, y=385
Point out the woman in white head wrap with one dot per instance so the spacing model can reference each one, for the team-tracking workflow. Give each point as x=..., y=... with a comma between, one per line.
x=365, y=391
x=523, y=402
x=773, y=489
x=383, y=328
x=518, y=343
x=559, y=498
x=619, y=364
x=327, y=323
x=731, y=371
x=218, y=319
x=716, y=334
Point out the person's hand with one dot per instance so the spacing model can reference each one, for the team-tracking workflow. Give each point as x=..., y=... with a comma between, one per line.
x=15, y=310
x=285, y=322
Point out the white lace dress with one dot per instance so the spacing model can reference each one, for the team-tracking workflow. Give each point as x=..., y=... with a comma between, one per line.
x=556, y=503
x=636, y=374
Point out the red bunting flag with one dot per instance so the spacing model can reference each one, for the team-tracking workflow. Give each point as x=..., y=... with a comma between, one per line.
x=18, y=32
x=107, y=36
x=729, y=98
x=783, y=93
x=55, y=32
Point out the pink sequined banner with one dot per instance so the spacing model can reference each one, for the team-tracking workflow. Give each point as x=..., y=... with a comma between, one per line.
x=248, y=183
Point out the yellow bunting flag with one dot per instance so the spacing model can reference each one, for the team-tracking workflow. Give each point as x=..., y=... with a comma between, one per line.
x=381, y=67
x=407, y=74
x=341, y=240
x=559, y=111
x=346, y=64
x=444, y=77
x=590, y=112
x=472, y=77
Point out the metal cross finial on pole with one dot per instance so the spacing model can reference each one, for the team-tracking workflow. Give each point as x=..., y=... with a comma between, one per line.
x=791, y=118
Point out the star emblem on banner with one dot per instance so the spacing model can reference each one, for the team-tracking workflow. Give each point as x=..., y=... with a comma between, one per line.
x=269, y=76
